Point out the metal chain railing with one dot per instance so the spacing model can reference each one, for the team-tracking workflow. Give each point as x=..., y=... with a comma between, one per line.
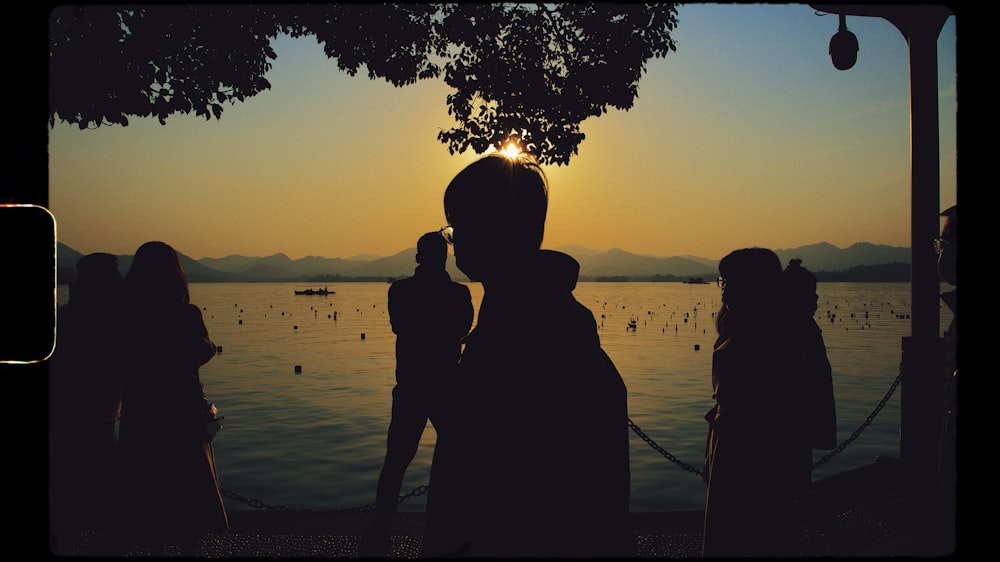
x=421, y=490
x=868, y=421
x=825, y=458
x=418, y=491
x=661, y=450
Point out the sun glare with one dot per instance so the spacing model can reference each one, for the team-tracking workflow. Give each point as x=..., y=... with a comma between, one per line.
x=512, y=146
x=511, y=150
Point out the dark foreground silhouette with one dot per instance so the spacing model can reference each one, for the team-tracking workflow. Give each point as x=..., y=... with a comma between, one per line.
x=947, y=249
x=164, y=449
x=750, y=505
x=85, y=378
x=430, y=314
x=535, y=418
x=817, y=412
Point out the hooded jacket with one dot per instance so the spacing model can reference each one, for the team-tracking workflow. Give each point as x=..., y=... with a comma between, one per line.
x=534, y=460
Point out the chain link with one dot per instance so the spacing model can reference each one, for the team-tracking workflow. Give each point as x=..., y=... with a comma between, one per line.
x=421, y=490
x=825, y=458
x=661, y=450
x=255, y=503
x=868, y=421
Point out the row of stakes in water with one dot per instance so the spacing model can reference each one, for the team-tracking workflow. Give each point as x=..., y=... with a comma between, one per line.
x=298, y=368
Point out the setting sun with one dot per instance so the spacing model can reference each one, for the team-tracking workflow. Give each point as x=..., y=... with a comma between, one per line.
x=511, y=150
x=513, y=145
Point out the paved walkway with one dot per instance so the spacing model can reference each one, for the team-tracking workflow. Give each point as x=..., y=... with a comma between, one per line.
x=867, y=512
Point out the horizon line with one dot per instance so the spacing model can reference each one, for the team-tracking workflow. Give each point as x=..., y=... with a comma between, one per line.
x=359, y=257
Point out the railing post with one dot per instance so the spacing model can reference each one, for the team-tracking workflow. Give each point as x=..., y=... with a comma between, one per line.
x=921, y=406
x=923, y=383
x=922, y=390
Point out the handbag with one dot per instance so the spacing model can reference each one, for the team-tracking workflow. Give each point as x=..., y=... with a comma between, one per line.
x=211, y=421
x=208, y=422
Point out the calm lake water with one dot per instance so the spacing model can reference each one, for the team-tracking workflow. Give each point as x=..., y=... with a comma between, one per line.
x=304, y=383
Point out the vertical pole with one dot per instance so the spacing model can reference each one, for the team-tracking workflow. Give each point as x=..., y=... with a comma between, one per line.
x=923, y=359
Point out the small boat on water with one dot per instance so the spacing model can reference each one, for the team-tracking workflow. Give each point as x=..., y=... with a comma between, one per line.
x=696, y=281
x=322, y=291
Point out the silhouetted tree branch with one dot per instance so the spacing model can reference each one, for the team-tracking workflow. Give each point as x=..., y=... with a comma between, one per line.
x=531, y=72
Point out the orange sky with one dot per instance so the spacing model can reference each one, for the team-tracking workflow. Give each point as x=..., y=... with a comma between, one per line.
x=746, y=135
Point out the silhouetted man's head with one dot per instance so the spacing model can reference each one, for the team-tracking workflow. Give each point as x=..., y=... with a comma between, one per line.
x=98, y=277
x=432, y=250
x=497, y=208
x=946, y=246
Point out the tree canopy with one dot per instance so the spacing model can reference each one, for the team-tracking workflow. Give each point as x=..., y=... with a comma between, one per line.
x=523, y=73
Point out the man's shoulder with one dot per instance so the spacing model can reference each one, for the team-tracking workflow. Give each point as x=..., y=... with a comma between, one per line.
x=403, y=282
x=460, y=287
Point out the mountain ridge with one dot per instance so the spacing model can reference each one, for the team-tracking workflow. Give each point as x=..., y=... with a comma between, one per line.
x=612, y=264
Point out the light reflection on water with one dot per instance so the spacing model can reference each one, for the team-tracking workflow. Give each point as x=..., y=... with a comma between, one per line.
x=315, y=439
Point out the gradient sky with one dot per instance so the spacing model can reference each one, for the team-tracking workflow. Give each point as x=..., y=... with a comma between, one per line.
x=745, y=136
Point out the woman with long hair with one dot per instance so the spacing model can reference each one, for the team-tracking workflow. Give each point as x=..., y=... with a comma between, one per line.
x=170, y=490
x=751, y=454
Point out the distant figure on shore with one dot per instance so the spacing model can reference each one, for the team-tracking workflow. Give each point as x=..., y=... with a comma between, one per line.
x=85, y=378
x=430, y=314
x=753, y=452
x=818, y=413
x=170, y=488
x=532, y=457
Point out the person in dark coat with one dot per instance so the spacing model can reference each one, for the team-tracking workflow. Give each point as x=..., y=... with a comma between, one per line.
x=430, y=314
x=946, y=247
x=85, y=378
x=817, y=406
x=170, y=487
x=753, y=451
x=532, y=457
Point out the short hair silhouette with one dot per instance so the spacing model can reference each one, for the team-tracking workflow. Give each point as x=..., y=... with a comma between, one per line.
x=97, y=276
x=950, y=229
x=432, y=249
x=506, y=196
x=947, y=246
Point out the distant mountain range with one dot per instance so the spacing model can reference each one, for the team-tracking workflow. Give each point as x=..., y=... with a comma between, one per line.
x=859, y=262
